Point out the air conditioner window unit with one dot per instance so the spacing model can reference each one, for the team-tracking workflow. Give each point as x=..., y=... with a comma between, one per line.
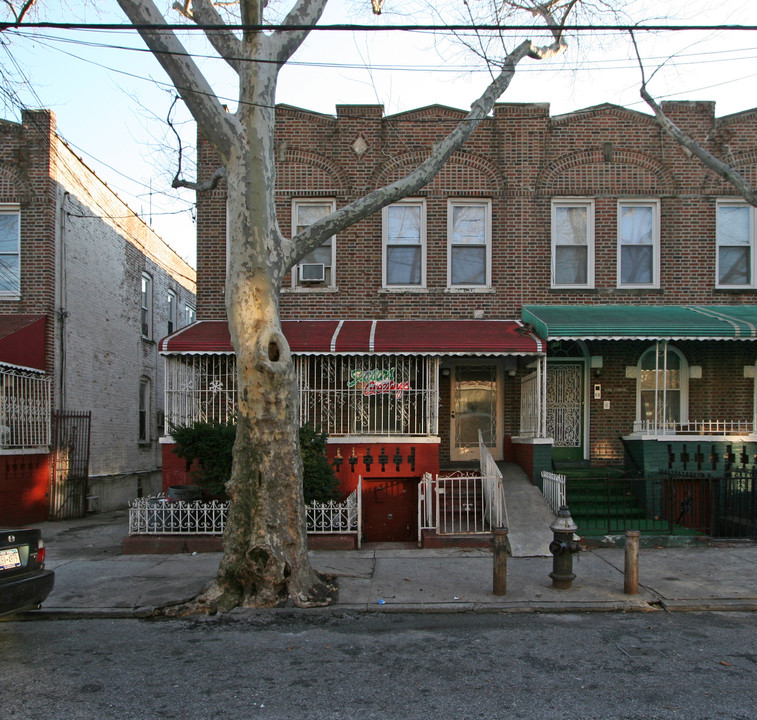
x=312, y=272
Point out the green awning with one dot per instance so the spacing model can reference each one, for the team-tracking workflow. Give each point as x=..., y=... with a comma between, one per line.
x=647, y=322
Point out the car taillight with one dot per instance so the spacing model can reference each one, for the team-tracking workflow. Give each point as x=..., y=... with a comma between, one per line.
x=41, y=552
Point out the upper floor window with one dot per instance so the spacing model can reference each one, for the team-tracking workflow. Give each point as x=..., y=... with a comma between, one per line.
x=316, y=269
x=189, y=315
x=469, y=250
x=639, y=243
x=404, y=244
x=171, y=311
x=573, y=243
x=736, y=245
x=146, y=306
x=144, y=409
x=10, y=241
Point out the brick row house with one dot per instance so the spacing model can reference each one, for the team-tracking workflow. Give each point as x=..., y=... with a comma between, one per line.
x=87, y=290
x=574, y=288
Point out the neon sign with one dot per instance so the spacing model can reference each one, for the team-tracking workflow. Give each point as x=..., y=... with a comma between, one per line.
x=378, y=382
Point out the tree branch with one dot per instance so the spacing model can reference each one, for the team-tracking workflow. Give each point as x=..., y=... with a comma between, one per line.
x=216, y=124
x=306, y=13
x=316, y=234
x=726, y=171
x=225, y=43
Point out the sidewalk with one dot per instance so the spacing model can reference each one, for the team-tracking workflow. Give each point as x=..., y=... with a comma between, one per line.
x=93, y=578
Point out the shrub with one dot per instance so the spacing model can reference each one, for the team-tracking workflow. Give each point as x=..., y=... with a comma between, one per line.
x=211, y=443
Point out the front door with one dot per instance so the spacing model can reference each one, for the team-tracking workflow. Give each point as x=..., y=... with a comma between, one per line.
x=565, y=409
x=475, y=406
x=390, y=509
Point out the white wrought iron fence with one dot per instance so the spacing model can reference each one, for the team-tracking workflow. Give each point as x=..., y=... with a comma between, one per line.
x=695, y=427
x=160, y=516
x=495, y=491
x=25, y=409
x=553, y=490
x=337, y=517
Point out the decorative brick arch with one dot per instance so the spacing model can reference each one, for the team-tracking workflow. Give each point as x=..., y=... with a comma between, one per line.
x=746, y=165
x=324, y=177
x=639, y=168
x=463, y=173
x=13, y=188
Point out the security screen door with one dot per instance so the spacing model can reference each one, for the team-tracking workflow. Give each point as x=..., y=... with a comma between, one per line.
x=475, y=406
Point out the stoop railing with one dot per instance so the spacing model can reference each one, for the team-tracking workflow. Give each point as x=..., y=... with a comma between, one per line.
x=344, y=517
x=553, y=490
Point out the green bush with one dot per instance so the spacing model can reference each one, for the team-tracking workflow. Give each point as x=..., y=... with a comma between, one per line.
x=211, y=443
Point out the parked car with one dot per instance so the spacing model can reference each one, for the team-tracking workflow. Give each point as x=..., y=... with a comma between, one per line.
x=24, y=582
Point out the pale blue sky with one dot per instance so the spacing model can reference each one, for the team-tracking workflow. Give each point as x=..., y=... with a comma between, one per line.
x=110, y=102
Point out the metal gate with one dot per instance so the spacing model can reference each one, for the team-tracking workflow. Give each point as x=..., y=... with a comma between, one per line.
x=70, y=465
x=565, y=404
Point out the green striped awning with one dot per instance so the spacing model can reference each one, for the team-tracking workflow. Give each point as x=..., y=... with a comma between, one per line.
x=646, y=322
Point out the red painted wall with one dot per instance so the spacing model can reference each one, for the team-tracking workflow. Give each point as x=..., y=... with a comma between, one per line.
x=23, y=489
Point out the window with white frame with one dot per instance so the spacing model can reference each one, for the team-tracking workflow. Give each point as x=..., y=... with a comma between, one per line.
x=639, y=243
x=662, y=388
x=144, y=409
x=146, y=312
x=316, y=269
x=736, y=245
x=469, y=249
x=10, y=252
x=404, y=244
x=189, y=315
x=171, y=311
x=573, y=243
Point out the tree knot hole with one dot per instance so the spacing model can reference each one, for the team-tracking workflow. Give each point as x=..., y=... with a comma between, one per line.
x=274, y=353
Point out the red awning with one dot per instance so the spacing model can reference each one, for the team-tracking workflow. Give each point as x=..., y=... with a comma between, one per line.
x=22, y=341
x=384, y=337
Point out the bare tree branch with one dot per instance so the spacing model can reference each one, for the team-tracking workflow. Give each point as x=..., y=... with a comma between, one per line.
x=21, y=12
x=190, y=83
x=305, y=13
x=225, y=43
x=726, y=171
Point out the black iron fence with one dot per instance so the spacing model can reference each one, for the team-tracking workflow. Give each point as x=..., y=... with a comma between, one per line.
x=70, y=465
x=669, y=503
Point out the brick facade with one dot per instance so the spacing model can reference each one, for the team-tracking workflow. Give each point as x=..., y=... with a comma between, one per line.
x=82, y=256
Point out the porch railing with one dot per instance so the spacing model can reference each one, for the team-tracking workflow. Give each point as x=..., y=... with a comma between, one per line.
x=160, y=516
x=25, y=412
x=463, y=503
x=553, y=489
x=695, y=427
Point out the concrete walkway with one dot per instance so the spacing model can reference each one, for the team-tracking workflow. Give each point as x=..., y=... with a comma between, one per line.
x=94, y=578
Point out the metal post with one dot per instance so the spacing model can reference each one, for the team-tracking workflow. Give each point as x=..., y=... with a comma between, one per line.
x=500, y=561
x=631, y=576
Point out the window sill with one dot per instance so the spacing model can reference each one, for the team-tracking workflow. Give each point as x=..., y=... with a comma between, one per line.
x=470, y=290
x=310, y=290
x=736, y=291
x=403, y=291
x=10, y=296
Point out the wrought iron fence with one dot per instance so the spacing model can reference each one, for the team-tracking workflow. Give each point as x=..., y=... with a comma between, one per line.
x=25, y=399
x=553, y=489
x=161, y=516
x=737, y=510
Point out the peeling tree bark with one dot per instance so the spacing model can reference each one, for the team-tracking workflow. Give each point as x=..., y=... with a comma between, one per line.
x=265, y=560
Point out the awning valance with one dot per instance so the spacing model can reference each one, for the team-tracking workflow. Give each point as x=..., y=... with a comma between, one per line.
x=22, y=341
x=383, y=337
x=646, y=322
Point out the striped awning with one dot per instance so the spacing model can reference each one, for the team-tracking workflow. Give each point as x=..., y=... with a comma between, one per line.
x=645, y=322
x=382, y=337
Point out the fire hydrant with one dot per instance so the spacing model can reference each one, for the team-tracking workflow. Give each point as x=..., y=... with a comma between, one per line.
x=562, y=547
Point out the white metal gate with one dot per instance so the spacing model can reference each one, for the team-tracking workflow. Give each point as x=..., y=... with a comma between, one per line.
x=565, y=404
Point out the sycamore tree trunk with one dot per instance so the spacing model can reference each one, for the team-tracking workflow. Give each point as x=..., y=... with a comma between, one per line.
x=265, y=561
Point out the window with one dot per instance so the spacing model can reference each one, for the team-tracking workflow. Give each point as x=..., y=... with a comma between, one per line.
x=662, y=388
x=316, y=269
x=404, y=246
x=189, y=315
x=573, y=243
x=146, y=306
x=469, y=251
x=144, y=409
x=638, y=244
x=171, y=311
x=10, y=238
x=735, y=238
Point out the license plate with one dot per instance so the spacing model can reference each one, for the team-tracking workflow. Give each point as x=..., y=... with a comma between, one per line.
x=9, y=559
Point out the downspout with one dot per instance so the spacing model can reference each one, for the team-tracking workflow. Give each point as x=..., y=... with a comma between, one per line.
x=60, y=311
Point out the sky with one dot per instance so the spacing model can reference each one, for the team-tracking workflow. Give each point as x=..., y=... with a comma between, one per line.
x=111, y=97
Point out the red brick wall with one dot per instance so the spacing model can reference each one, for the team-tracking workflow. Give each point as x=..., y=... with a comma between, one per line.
x=23, y=489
